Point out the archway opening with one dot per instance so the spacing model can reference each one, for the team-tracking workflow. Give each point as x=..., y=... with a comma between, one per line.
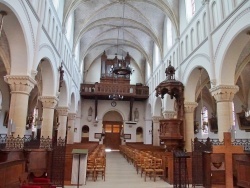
x=112, y=126
x=139, y=134
x=85, y=133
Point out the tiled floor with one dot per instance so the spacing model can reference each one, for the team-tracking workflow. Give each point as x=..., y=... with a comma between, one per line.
x=121, y=174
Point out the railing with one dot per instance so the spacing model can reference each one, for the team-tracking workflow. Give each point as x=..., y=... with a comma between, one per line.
x=107, y=89
x=237, y=142
x=28, y=142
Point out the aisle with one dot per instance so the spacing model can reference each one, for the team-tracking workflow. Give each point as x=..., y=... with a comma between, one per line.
x=121, y=174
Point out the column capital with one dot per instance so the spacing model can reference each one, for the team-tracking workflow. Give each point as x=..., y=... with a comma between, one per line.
x=20, y=83
x=169, y=114
x=224, y=93
x=49, y=101
x=62, y=110
x=72, y=116
x=189, y=107
x=156, y=119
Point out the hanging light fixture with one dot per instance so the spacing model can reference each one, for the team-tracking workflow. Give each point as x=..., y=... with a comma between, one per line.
x=3, y=13
x=122, y=66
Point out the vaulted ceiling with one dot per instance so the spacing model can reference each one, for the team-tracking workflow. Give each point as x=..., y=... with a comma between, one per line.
x=120, y=26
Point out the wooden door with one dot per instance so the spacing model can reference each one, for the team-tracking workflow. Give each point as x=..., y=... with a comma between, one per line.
x=112, y=134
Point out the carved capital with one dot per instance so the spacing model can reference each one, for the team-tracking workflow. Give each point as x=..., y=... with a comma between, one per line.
x=156, y=119
x=72, y=116
x=49, y=101
x=224, y=93
x=20, y=84
x=189, y=107
x=62, y=111
x=169, y=114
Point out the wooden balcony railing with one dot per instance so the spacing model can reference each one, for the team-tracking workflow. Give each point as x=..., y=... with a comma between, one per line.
x=106, y=89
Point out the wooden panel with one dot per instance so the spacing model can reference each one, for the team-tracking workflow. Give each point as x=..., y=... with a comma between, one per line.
x=10, y=173
x=38, y=168
x=243, y=171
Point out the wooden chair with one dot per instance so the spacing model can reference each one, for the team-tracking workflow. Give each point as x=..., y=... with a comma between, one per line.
x=91, y=168
x=148, y=168
x=100, y=167
x=158, y=168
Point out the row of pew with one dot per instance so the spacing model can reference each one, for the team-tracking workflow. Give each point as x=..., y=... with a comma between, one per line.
x=96, y=163
x=149, y=161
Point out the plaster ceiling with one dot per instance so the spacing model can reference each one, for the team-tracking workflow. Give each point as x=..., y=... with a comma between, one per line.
x=120, y=26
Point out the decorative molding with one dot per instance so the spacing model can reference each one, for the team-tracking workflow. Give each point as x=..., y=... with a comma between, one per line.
x=49, y=101
x=72, y=116
x=224, y=93
x=156, y=119
x=62, y=111
x=169, y=114
x=189, y=107
x=20, y=84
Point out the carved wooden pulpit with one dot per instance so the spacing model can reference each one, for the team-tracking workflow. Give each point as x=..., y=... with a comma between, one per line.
x=171, y=130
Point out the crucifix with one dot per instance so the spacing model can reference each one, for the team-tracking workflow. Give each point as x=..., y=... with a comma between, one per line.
x=228, y=149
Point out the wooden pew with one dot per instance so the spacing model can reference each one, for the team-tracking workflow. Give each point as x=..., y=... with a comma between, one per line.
x=241, y=169
x=10, y=172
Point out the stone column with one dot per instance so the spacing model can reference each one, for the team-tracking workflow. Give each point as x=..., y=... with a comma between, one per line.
x=49, y=103
x=156, y=128
x=224, y=95
x=169, y=114
x=62, y=119
x=189, y=108
x=71, y=126
x=20, y=87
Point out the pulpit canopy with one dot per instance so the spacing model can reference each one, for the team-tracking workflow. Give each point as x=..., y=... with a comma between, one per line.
x=170, y=85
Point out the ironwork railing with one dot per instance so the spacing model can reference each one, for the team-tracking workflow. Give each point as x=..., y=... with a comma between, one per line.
x=242, y=142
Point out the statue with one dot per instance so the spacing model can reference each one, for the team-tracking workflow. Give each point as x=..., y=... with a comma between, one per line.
x=61, y=72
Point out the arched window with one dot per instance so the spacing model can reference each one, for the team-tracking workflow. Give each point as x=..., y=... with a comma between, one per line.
x=169, y=34
x=198, y=32
x=49, y=18
x=192, y=40
x=187, y=46
x=233, y=128
x=190, y=9
x=69, y=25
x=204, y=120
x=204, y=25
x=182, y=51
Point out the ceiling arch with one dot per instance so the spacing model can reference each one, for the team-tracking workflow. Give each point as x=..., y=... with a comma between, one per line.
x=120, y=26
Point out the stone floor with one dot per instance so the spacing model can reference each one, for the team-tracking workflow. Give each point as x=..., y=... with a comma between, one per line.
x=121, y=174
